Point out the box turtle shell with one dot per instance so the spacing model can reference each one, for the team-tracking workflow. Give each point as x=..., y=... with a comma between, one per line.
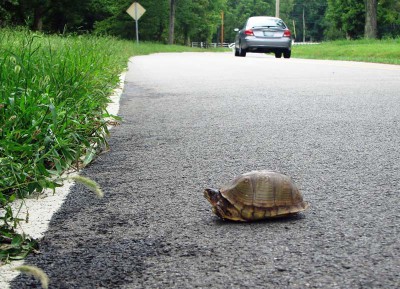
x=256, y=195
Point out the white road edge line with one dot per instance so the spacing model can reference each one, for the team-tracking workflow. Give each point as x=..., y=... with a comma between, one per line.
x=42, y=208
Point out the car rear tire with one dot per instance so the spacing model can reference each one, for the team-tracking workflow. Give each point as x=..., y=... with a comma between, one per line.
x=287, y=53
x=242, y=52
x=278, y=54
x=236, y=52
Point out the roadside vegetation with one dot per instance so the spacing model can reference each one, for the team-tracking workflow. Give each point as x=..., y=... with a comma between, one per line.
x=366, y=50
x=54, y=92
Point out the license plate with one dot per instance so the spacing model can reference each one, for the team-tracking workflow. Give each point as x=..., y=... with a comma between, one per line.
x=272, y=34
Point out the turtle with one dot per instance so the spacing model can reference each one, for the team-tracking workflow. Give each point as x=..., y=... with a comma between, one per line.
x=256, y=195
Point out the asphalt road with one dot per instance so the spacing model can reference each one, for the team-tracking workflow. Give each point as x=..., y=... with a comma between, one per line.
x=192, y=121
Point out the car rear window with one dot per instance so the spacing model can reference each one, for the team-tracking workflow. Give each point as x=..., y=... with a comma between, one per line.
x=265, y=22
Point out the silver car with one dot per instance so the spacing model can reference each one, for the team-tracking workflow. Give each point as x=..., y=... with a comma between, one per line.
x=264, y=34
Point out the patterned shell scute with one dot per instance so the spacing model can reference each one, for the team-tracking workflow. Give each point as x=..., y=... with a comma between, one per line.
x=264, y=190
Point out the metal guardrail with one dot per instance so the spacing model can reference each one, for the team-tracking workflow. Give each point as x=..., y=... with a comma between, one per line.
x=209, y=45
x=305, y=43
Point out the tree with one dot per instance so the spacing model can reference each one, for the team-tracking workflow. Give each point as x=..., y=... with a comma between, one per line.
x=345, y=18
x=308, y=16
x=172, y=8
x=371, y=30
x=7, y=8
x=49, y=15
x=389, y=18
x=198, y=20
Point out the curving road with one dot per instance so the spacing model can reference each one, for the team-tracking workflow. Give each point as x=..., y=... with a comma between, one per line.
x=195, y=120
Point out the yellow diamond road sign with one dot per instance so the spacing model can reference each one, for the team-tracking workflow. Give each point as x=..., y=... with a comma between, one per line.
x=136, y=10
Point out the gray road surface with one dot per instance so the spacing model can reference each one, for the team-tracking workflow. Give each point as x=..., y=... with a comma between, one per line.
x=196, y=120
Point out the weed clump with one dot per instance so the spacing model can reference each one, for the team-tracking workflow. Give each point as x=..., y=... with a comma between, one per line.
x=54, y=92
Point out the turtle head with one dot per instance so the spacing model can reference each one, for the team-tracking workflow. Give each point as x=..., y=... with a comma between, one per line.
x=212, y=195
x=222, y=207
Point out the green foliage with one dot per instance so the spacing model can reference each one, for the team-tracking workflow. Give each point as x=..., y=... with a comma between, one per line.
x=314, y=11
x=389, y=18
x=14, y=246
x=51, y=15
x=53, y=98
x=194, y=20
x=153, y=24
x=345, y=18
x=199, y=20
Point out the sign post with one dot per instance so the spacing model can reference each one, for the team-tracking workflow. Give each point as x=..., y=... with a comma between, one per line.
x=136, y=11
x=277, y=4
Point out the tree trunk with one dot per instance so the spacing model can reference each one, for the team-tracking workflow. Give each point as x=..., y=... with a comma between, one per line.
x=171, y=21
x=186, y=35
x=160, y=31
x=38, y=18
x=370, y=19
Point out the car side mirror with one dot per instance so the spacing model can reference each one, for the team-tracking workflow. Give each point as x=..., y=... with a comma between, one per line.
x=236, y=29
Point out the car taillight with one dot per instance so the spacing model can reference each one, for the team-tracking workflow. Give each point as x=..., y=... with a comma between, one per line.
x=249, y=32
x=287, y=33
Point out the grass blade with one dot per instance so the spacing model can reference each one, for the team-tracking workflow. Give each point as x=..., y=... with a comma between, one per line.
x=36, y=272
x=90, y=184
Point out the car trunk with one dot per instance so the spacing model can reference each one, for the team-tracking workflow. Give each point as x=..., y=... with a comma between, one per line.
x=268, y=32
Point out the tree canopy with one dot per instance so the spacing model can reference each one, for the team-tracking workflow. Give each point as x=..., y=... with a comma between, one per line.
x=200, y=20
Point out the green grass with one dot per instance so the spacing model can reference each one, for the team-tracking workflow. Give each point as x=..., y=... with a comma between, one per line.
x=54, y=91
x=380, y=51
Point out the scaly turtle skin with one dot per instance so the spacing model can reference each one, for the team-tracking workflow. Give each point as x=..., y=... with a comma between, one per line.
x=256, y=195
